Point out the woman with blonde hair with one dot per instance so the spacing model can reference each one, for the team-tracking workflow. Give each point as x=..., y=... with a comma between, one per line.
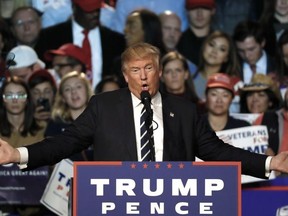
x=71, y=99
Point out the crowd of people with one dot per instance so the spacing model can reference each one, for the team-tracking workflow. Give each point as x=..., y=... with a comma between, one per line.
x=223, y=65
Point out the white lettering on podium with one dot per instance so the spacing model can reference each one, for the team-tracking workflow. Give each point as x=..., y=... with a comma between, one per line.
x=213, y=185
x=157, y=207
x=147, y=187
x=99, y=185
x=179, y=189
x=132, y=208
x=126, y=185
x=205, y=208
x=179, y=210
x=107, y=206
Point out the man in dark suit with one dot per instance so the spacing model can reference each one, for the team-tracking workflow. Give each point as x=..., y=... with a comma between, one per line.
x=111, y=123
x=105, y=44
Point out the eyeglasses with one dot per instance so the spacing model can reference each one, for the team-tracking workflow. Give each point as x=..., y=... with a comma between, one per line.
x=57, y=67
x=18, y=96
x=22, y=23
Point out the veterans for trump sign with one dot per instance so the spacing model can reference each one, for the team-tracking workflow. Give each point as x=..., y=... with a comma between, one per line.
x=156, y=188
x=251, y=138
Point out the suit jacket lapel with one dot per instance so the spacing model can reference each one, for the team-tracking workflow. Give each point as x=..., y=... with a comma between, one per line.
x=169, y=124
x=125, y=110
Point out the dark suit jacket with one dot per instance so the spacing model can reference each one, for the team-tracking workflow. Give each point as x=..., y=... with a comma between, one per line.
x=108, y=124
x=113, y=43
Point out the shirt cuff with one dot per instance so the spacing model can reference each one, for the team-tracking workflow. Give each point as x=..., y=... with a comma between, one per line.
x=23, y=157
x=267, y=166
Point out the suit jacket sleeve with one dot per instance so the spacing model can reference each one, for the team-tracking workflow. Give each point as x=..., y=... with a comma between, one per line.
x=74, y=139
x=200, y=141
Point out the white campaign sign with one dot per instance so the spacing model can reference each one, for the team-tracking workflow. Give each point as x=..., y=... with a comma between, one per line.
x=249, y=117
x=56, y=194
x=251, y=138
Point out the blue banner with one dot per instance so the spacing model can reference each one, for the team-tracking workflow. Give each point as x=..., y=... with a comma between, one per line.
x=22, y=188
x=266, y=198
x=152, y=188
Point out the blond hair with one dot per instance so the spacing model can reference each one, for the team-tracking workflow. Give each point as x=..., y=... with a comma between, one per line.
x=61, y=109
x=140, y=51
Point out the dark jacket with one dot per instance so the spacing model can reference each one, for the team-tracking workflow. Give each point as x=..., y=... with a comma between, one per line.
x=113, y=43
x=108, y=124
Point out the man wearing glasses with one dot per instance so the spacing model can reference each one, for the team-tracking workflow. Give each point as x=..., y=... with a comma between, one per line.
x=66, y=58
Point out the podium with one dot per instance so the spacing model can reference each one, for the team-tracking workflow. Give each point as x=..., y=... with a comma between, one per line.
x=156, y=188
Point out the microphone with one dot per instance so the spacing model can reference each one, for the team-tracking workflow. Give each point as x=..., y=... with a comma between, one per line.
x=146, y=100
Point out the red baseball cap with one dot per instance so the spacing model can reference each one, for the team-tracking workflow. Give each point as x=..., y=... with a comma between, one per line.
x=89, y=5
x=191, y=4
x=43, y=74
x=68, y=49
x=220, y=80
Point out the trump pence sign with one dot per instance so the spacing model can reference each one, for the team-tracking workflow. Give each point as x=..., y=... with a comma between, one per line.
x=156, y=188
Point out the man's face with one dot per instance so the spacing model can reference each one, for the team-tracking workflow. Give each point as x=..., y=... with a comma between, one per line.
x=171, y=29
x=250, y=50
x=43, y=90
x=62, y=66
x=200, y=17
x=88, y=20
x=26, y=26
x=142, y=75
x=24, y=72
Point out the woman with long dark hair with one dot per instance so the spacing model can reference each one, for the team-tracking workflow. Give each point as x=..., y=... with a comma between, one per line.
x=218, y=55
x=18, y=126
x=144, y=26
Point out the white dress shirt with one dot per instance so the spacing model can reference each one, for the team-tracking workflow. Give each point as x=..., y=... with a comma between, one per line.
x=158, y=132
x=156, y=106
x=261, y=68
x=96, y=49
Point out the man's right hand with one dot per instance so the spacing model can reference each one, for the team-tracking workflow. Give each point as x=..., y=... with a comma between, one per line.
x=8, y=154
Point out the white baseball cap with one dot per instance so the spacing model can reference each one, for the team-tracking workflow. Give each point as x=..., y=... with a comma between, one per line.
x=24, y=56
